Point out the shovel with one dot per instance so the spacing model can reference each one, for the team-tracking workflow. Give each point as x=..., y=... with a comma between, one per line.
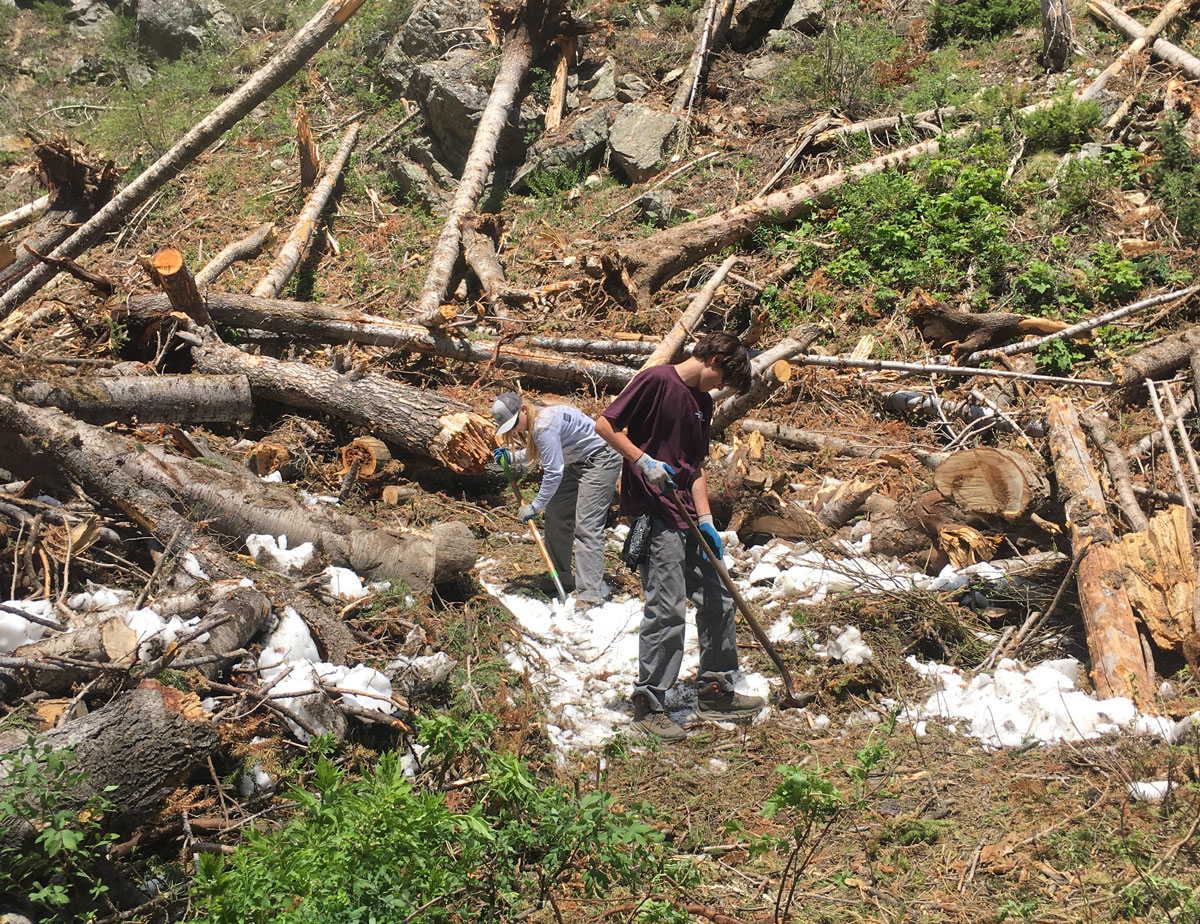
x=562, y=594
x=790, y=699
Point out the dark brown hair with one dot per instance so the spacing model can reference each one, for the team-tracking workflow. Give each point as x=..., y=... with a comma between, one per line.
x=728, y=355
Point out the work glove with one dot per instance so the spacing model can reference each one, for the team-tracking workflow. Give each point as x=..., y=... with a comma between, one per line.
x=526, y=513
x=710, y=533
x=502, y=456
x=657, y=473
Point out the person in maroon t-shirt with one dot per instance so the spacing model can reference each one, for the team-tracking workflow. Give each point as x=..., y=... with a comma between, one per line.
x=660, y=426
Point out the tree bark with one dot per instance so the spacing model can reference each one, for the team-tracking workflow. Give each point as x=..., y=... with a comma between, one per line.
x=1118, y=667
x=235, y=502
x=1058, y=38
x=304, y=44
x=1118, y=469
x=1159, y=564
x=20, y=217
x=180, y=399
x=423, y=422
x=1172, y=54
x=771, y=370
x=329, y=324
x=297, y=243
x=711, y=31
x=1156, y=362
x=517, y=53
x=811, y=441
x=247, y=248
x=993, y=482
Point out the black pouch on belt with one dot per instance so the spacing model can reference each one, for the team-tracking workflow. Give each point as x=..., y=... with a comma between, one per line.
x=636, y=549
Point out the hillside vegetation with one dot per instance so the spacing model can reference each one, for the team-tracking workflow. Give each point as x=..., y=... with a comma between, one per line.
x=1049, y=212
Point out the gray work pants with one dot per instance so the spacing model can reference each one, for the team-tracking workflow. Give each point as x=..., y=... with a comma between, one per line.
x=677, y=571
x=575, y=521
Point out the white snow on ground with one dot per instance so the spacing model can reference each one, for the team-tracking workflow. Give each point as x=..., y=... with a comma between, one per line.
x=584, y=661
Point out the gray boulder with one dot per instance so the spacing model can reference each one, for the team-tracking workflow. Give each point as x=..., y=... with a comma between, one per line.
x=583, y=144
x=89, y=16
x=171, y=27
x=807, y=16
x=631, y=87
x=601, y=84
x=752, y=19
x=436, y=26
x=640, y=139
x=658, y=207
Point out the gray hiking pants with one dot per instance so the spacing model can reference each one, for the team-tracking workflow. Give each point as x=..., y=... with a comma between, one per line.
x=575, y=521
x=677, y=571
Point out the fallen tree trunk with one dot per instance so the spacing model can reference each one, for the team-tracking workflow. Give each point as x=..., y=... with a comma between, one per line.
x=1118, y=665
x=671, y=344
x=304, y=44
x=524, y=31
x=711, y=31
x=655, y=260
x=247, y=248
x=1118, y=469
x=423, y=422
x=136, y=750
x=1156, y=362
x=181, y=399
x=20, y=217
x=993, y=482
x=1168, y=12
x=328, y=324
x=1159, y=564
x=811, y=441
x=930, y=405
x=771, y=370
x=236, y=503
x=1172, y=54
x=297, y=243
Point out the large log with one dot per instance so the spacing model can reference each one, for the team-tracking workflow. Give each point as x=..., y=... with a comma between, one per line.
x=303, y=45
x=180, y=399
x=993, y=482
x=1157, y=361
x=771, y=370
x=136, y=750
x=236, y=503
x=1172, y=54
x=329, y=324
x=1118, y=664
x=425, y=423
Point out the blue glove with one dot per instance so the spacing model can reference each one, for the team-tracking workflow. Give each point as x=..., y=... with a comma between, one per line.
x=527, y=513
x=502, y=456
x=710, y=533
x=657, y=473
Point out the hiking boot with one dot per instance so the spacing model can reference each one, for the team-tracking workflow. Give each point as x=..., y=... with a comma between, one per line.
x=717, y=705
x=654, y=722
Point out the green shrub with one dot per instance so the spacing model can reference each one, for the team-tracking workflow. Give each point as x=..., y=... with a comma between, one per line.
x=1176, y=178
x=380, y=850
x=978, y=19
x=842, y=70
x=1058, y=126
x=56, y=871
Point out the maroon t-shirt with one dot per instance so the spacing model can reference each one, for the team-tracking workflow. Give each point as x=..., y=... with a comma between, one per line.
x=669, y=420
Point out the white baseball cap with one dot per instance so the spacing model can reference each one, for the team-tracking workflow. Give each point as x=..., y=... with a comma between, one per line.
x=505, y=410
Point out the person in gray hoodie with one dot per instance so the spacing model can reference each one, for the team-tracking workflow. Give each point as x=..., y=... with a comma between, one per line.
x=579, y=477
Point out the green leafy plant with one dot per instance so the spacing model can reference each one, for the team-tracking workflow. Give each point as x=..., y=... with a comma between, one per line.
x=1176, y=178
x=546, y=184
x=378, y=849
x=978, y=19
x=1058, y=356
x=55, y=839
x=1061, y=124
